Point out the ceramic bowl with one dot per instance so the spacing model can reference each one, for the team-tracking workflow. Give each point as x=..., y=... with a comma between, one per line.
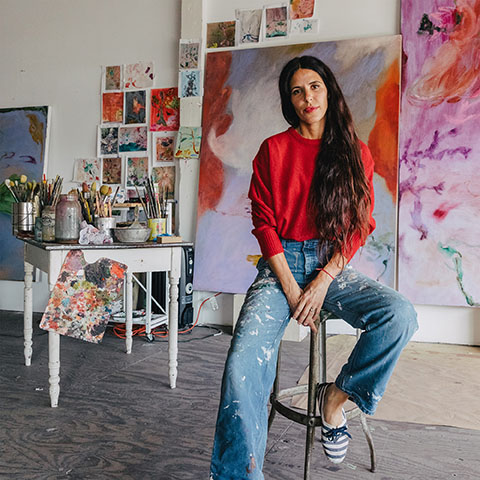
x=131, y=234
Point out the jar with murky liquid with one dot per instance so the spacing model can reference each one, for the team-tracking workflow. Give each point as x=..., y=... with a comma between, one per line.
x=48, y=223
x=68, y=215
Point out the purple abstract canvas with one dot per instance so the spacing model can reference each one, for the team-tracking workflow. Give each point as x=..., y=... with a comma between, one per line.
x=439, y=231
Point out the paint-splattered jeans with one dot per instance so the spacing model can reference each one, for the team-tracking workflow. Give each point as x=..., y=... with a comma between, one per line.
x=387, y=319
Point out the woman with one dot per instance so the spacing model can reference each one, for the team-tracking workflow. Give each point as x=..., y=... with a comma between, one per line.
x=312, y=203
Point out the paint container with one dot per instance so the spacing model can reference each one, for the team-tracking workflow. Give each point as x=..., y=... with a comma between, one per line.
x=68, y=215
x=48, y=223
x=106, y=224
x=23, y=219
x=157, y=227
x=37, y=229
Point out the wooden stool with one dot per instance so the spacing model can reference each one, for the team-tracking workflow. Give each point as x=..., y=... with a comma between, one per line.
x=317, y=373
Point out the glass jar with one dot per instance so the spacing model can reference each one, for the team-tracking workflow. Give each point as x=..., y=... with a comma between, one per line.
x=68, y=215
x=48, y=223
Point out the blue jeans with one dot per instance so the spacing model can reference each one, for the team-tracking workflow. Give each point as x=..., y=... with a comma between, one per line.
x=387, y=321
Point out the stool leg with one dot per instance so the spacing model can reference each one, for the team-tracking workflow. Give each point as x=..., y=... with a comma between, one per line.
x=313, y=376
x=368, y=436
x=273, y=395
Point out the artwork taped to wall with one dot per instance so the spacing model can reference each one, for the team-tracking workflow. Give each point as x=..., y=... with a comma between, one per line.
x=24, y=136
x=133, y=139
x=164, y=177
x=84, y=297
x=368, y=72
x=189, y=83
x=189, y=54
x=188, y=142
x=135, y=106
x=164, y=109
x=107, y=141
x=221, y=34
x=112, y=170
x=248, y=26
x=112, y=78
x=439, y=247
x=304, y=25
x=163, y=147
x=276, y=22
x=112, y=107
x=301, y=9
x=87, y=170
x=137, y=171
x=139, y=75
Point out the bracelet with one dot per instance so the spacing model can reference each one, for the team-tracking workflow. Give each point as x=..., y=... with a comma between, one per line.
x=329, y=274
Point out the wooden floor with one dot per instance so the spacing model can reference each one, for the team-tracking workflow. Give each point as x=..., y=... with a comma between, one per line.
x=118, y=419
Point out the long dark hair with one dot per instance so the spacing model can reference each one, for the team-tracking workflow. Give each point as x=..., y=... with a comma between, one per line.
x=339, y=197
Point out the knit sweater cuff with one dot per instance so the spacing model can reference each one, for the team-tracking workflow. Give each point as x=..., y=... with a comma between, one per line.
x=269, y=242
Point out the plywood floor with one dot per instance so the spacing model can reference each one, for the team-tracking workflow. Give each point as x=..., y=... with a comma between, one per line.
x=118, y=419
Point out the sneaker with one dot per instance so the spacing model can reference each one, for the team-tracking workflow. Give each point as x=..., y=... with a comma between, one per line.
x=334, y=439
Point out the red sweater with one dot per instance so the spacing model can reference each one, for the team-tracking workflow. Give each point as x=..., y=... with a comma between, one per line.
x=282, y=174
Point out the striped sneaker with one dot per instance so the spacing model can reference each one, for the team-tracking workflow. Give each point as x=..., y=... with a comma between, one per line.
x=334, y=439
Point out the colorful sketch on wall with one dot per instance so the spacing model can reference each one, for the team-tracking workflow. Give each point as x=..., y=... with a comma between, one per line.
x=221, y=34
x=249, y=23
x=137, y=171
x=23, y=150
x=189, y=54
x=139, y=75
x=275, y=22
x=112, y=78
x=112, y=170
x=163, y=146
x=439, y=232
x=304, y=25
x=107, y=141
x=189, y=83
x=135, y=106
x=188, y=142
x=112, y=107
x=84, y=297
x=301, y=8
x=86, y=170
x=165, y=178
x=237, y=120
x=165, y=109
x=133, y=139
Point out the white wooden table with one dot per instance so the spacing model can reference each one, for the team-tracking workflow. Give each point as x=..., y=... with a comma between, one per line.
x=142, y=257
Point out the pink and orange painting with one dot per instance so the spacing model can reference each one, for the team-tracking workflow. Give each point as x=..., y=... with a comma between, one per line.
x=242, y=107
x=165, y=109
x=112, y=107
x=439, y=248
x=301, y=9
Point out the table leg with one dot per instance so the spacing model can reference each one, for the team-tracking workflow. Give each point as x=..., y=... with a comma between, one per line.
x=28, y=314
x=128, y=312
x=173, y=318
x=54, y=367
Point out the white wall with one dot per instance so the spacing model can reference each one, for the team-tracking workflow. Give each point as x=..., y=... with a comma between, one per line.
x=51, y=53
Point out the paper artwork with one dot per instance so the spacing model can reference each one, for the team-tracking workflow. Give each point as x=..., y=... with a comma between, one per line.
x=132, y=139
x=135, y=106
x=107, y=141
x=112, y=107
x=221, y=34
x=139, y=75
x=189, y=54
x=112, y=78
x=84, y=297
x=189, y=83
x=112, y=170
x=163, y=147
x=164, y=110
x=23, y=150
x=188, y=142
x=304, y=25
x=137, y=171
x=275, y=22
x=301, y=9
x=87, y=170
x=165, y=178
x=439, y=190
x=368, y=71
x=249, y=24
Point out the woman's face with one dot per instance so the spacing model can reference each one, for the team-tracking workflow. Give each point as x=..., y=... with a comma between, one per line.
x=308, y=95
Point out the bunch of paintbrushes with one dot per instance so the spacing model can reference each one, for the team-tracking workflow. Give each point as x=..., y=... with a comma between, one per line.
x=49, y=191
x=154, y=203
x=96, y=203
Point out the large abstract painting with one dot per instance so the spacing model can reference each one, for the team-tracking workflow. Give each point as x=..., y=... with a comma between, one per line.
x=242, y=108
x=23, y=150
x=439, y=231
